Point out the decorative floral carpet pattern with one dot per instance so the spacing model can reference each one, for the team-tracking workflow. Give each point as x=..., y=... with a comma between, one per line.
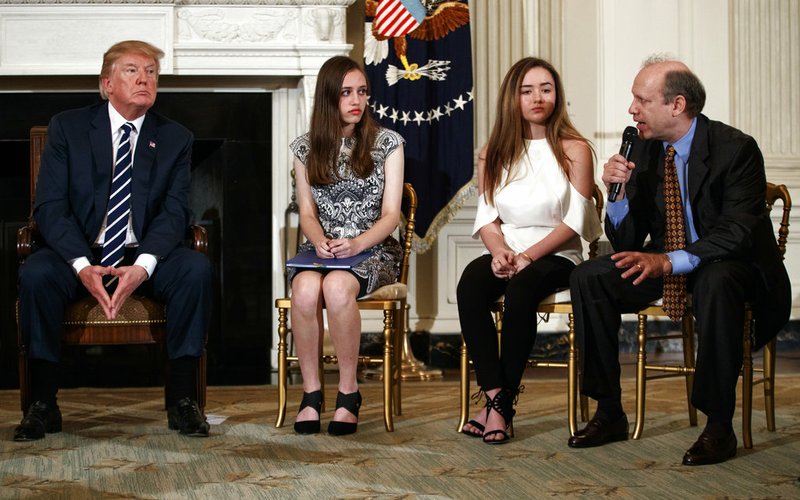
x=115, y=444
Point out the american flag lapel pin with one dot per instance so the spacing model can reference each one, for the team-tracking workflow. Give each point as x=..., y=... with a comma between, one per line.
x=152, y=145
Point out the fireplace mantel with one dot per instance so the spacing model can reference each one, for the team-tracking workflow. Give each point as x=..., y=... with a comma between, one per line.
x=199, y=37
x=274, y=46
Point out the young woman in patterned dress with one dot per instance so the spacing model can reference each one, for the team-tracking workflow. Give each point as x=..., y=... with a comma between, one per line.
x=349, y=174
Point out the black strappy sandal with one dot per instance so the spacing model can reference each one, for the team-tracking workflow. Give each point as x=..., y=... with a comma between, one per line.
x=502, y=403
x=474, y=423
x=314, y=400
x=350, y=402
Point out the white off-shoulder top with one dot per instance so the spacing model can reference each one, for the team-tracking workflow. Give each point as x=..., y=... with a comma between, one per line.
x=538, y=199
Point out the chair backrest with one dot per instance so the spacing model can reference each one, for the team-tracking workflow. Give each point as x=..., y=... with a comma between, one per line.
x=38, y=139
x=597, y=196
x=407, y=233
x=777, y=192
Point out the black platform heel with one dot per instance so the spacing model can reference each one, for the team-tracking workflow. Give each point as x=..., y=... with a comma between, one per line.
x=350, y=402
x=503, y=403
x=474, y=423
x=314, y=400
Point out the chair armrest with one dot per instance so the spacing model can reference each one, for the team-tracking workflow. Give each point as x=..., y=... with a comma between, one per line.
x=26, y=235
x=198, y=238
x=25, y=239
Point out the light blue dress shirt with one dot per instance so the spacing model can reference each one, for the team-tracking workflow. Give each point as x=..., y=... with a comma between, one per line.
x=682, y=261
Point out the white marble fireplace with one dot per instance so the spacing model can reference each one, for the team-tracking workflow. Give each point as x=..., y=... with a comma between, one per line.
x=274, y=46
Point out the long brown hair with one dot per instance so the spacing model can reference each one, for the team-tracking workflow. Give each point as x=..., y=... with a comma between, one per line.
x=326, y=126
x=507, y=140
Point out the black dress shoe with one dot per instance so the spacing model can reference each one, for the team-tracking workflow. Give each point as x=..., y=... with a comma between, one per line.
x=185, y=417
x=39, y=419
x=599, y=432
x=710, y=450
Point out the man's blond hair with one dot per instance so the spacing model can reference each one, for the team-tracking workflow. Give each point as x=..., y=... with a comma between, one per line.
x=120, y=49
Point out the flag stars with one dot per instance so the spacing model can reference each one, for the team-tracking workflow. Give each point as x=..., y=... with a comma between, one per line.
x=382, y=111
x=426, y=116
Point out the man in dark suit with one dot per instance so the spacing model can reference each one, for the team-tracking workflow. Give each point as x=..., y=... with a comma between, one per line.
x=729, y=255
x=109, y=251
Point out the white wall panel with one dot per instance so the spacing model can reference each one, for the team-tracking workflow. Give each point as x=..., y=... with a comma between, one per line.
x=70, y=39
x=765, y=97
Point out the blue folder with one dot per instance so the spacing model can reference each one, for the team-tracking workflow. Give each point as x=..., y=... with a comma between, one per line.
x=310, y=260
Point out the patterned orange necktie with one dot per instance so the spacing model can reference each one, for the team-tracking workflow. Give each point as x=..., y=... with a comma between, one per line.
x=674, y=303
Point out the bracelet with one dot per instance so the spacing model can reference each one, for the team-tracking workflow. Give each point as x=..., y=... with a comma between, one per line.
x=523, y=254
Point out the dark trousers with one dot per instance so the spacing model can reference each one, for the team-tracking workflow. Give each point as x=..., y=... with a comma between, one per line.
x=719, y=292
x=479, y=289
x=183, y=281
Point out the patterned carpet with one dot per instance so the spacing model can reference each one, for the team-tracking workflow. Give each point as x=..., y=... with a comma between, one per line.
x=115, y=444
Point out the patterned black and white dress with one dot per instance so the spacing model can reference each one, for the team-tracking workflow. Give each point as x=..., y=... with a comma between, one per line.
x=350, y=206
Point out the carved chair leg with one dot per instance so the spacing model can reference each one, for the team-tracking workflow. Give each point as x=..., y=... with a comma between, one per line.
x=282, y=368
x=202, y=381
x=641, y=376
x=769, y=383
x=464, y=386
x=388, y=362
x=572, y=379
x=401, y=330
x=24, y=380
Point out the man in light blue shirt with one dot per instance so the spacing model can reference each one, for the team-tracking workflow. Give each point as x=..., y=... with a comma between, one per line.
x=729, y=256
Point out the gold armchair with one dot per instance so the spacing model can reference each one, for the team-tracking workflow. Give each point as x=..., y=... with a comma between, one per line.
x=140, y=321
x=774, y=193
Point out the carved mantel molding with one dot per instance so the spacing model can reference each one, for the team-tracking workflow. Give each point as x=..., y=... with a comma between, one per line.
x=344, y=3
x=199, y=37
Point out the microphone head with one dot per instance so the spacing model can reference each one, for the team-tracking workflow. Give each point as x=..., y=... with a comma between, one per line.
x=629, y=134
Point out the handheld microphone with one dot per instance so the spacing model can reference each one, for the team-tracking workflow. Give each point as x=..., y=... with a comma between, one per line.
x=625, y=150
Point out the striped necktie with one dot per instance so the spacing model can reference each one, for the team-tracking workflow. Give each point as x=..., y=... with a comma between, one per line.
x=119, y=205
x=674, y=303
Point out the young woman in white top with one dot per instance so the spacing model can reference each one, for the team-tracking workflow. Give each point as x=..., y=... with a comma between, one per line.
x=535, y=181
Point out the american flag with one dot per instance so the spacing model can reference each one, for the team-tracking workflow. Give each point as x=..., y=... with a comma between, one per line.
x=398, y=17
x=434, y=115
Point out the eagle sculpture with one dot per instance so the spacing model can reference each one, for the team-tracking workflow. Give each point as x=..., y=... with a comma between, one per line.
x=440, y=18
